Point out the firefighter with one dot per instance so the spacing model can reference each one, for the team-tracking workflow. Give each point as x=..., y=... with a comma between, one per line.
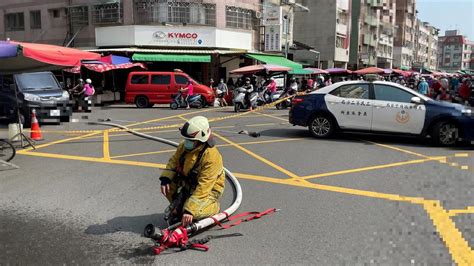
x=193, y=180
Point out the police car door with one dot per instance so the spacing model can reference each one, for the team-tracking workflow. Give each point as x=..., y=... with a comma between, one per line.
x=394, y=111
x=351, y=106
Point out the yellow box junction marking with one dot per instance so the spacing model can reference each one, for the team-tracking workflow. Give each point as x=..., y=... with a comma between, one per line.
x=461, y=253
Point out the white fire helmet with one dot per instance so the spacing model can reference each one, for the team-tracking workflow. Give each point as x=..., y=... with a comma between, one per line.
x=197, y=128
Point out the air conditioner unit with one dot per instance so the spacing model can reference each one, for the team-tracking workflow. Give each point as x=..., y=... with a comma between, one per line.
x=288, y=2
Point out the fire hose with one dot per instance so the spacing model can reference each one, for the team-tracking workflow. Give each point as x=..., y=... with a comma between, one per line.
x=177, y=235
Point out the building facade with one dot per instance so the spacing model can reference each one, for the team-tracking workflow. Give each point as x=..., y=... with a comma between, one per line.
x=373, y=28
x=221, y=29
x=455, y=52
x=432, y=63
x=325, y=31
x=405, y=34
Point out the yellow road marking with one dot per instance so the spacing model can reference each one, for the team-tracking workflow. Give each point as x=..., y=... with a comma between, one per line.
x=460, y=250
x=258, y=157
x=454, y=164
x=375, y=167
x=461, y=155
x=468, y=210
x=96, y=133
x=397, y=149
x=106, y=145
x=93, y=159
x=464, y=167
x=220, y=145
x=275, y=117
x=56, y=142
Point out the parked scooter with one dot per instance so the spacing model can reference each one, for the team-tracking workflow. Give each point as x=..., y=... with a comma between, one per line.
x=286, y=103
x=193, y=100
x=239, y=99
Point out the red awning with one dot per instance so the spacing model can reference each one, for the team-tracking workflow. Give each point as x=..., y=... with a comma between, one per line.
x=42, y=57
x=56, y=55
x=104, y=67
x=369, y=70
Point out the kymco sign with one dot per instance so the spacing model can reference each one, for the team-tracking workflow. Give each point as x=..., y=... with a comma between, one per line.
x=177, y=38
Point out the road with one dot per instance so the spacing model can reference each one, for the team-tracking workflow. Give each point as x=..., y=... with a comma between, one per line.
x=86, y=193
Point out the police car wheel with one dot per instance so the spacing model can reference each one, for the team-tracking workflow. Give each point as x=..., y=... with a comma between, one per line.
x=321, y=126
x=445, y=133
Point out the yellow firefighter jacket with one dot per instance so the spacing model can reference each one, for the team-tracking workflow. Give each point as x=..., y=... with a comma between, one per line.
x=204, y=199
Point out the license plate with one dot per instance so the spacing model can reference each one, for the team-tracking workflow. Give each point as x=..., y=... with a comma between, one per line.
x=54, y=113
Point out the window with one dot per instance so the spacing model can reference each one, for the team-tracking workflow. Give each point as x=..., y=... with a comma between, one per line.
x=356, y=91
x=237, y=17
x=174, y=11
x=79, y=15
x=139, y=79
x=55, y=13
x=180, y=79
x=14, y=22
x=35, y=19
x=107, y=13
x=340, y=42
x=161, y=79
x=392, y=94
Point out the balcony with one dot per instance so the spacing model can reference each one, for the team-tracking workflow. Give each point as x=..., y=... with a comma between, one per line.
x=341, y=29
x=371, y=20
x=369, y=40
x=375, y=3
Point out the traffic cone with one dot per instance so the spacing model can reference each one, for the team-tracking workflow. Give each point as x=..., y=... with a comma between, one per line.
x=35, y=128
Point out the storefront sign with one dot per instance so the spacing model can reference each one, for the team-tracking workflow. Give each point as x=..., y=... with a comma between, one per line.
x=272, y=38
x=203, y=37
x=272, y=15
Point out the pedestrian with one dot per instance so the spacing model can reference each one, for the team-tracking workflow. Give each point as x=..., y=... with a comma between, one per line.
x=186, y=92
x=194, y=178
x=77, y=93
x=465, y=91
x=89, y=91
x=423, y=87
x=222, y=91
x=436, y=89
x=271, y=88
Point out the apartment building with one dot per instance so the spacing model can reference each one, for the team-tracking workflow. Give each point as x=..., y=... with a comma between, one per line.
x=218, y=29
x=432, y=63
x=406, y=20
x=420, y=51
x=372, y=35
x=454, y=51
x=325, y=31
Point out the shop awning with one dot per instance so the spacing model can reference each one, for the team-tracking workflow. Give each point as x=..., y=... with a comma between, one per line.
x=297, y=69
x=39, y=57
x=275, y=60
x=172, y=58
x=104, y=67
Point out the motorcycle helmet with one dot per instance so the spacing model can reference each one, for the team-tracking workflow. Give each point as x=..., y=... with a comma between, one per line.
x=88, y=81
x=196, y=129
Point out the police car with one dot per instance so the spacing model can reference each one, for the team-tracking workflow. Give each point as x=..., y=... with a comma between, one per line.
x=381, y=107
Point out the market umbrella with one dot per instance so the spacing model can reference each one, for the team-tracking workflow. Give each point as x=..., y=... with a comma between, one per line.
x=338, y=71
x=369, y=70
x=316, y=71
x=40, y=57
x=254, y=69
x=400, y=72
x=104, y=67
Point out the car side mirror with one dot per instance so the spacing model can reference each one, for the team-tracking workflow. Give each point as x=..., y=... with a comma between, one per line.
x=416, y=100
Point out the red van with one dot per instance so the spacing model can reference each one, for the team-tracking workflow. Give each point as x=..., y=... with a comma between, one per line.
x=148, y=88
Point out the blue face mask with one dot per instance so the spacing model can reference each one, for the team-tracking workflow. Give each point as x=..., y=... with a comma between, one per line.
x=188, y=144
